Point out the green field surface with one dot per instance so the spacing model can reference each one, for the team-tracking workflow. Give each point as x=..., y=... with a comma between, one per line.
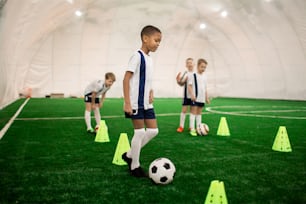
x=46, y=155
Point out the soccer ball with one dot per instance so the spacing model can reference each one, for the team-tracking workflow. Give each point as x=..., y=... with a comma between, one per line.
x=181, y=78
x=203, y=129
x=162, y=171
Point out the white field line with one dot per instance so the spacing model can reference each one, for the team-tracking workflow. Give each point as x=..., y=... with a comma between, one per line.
x=250, y=113
x=106, y=116
x=210, y=110
x=10, y=122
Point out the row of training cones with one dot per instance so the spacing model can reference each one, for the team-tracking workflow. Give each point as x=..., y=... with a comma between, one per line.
x=281, y=141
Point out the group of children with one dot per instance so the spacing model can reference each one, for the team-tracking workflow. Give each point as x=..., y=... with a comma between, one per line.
x=139, y=97
x=195, y=95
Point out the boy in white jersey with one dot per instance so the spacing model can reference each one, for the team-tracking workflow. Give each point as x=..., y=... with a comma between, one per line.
x=92, y=100
x=186, y=99
x=138, y=98
x=198, y=91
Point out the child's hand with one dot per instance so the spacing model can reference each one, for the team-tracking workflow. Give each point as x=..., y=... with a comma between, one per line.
x=101, y=104
x=128, y=109
x=193, y=98
x=151, y=97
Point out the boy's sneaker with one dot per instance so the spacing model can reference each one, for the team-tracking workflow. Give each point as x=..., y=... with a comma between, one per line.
x=127, y=160
x=193, y=132
x=139, y=172
x=180, y=129
x=91, y=131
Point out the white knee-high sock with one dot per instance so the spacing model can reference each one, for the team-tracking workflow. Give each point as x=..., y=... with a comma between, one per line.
x=134, y=152
x=198, y=119
x=97, y=116
x=87, y=119
x=191, y=121
x=149, y=135
x=182, y=119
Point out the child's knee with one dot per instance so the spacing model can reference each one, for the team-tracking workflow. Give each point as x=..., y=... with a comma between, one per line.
x=152, y=131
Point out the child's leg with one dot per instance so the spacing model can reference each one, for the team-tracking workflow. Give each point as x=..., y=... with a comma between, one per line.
x=136, y=143
x=183, y=116
x=97, y=115
x=198, y=116
x=87, y=115
x=151, y=131
x=192, y=117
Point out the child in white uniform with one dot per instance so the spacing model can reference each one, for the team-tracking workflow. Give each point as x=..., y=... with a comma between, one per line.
x=197, y=87
x=92, y=94
x=138, y=98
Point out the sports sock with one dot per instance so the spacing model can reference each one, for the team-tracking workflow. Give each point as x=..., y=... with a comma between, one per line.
x=149, y=134
x=182, y=119
x=191, y=121
x=134, y=152
x=87, y=119
x=198, y=119
x=97, y=116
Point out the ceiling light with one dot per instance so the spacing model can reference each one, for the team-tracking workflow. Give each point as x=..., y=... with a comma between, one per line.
x=223, y=14
x=78, y=13
x=202, y=26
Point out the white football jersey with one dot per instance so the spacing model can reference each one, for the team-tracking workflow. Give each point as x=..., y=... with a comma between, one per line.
x=198, y=82
x=189, y=76
x=97, y=86
x=141, y=81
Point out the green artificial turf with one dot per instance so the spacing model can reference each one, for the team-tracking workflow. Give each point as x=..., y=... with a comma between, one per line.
x=8, y=112
x=46, y=156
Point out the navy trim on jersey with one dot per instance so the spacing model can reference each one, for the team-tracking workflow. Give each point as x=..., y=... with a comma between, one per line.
x=185, y=90
x=195, y=85
x=142, y=80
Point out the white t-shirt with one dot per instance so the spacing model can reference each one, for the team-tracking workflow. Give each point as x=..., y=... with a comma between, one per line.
x=189, y=76
x=140, y=82
x=97, y=86
x=198, y=86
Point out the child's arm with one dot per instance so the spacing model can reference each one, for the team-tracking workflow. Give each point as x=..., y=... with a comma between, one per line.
x=206, y=98
x=126, y=93
x=190, y=91
x=102, y=100
x=93, y=99
x=151, y=97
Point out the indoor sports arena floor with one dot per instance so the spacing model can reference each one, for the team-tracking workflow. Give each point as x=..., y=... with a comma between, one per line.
x=46, y=155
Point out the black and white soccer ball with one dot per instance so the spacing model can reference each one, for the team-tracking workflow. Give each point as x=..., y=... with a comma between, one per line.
x=203, y=129
x=162, y=171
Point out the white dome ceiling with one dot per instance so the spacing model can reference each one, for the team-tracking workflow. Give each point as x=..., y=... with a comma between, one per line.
x=255, y=49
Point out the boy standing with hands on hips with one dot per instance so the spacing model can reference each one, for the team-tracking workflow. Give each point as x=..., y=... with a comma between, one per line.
x=138, y=98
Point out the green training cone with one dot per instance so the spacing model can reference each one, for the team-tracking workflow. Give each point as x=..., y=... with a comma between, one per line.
x=102, y=134
x=123, y=146
x=223, y=129
x=216, y=193
x=281, y=142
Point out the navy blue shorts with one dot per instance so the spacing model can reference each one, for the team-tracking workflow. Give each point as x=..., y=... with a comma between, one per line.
x=142, y=114
x=186, y=102
x=88, y=99
x=194, y=103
